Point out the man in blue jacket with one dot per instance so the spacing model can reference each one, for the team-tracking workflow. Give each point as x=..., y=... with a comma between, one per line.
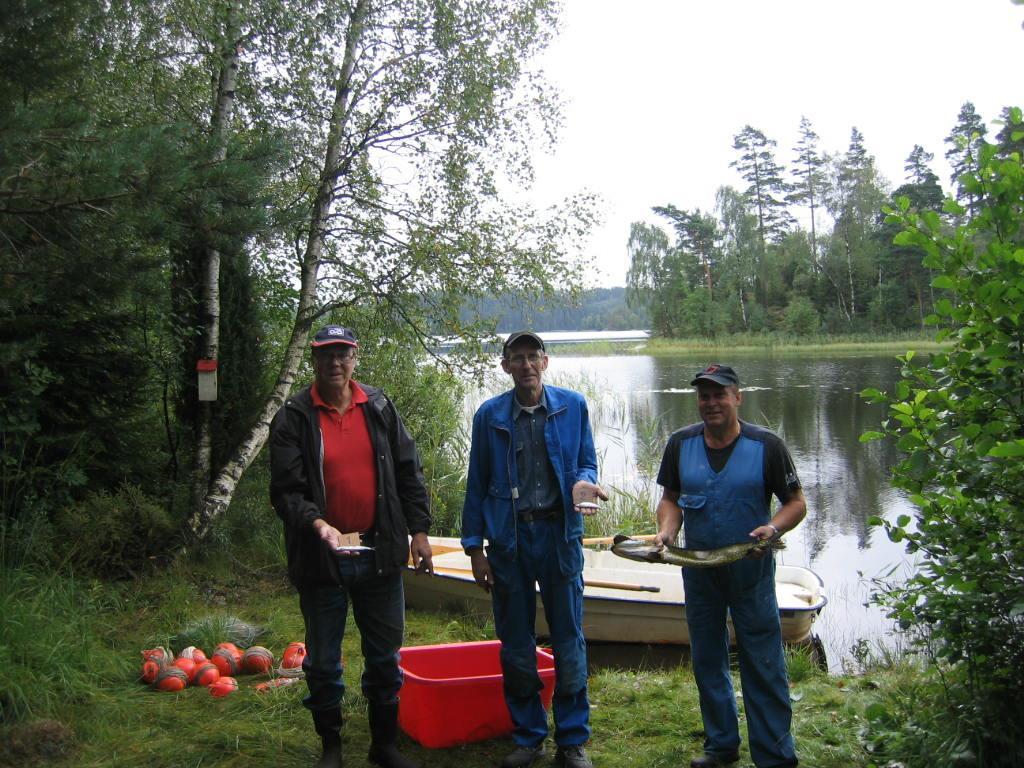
x=718, y=477
x=531, y=465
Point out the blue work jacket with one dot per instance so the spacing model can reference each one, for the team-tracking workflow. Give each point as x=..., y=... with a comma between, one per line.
x=492, y=484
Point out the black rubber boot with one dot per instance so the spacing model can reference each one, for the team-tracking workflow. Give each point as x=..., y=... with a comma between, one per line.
x=384, y=737
x=327, y=723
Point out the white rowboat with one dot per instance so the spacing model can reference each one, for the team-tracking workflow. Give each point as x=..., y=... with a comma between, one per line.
x=624, y=601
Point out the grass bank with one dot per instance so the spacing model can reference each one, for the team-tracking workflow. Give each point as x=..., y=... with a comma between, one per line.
x=70, y=695
x=761, y=344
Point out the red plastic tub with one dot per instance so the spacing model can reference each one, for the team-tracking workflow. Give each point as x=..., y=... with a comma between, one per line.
x=452, y=693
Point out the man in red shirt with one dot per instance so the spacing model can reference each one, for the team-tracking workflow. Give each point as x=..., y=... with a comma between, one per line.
x=347, y=483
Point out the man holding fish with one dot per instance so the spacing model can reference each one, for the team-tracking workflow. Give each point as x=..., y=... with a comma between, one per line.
x=532, y=476
x=718, y=477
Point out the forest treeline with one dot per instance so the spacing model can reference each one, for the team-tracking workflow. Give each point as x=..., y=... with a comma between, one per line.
x=805, y=247
x=595, y=309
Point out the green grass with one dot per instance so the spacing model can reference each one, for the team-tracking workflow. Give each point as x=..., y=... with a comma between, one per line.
x=70, y=658
x=72, y=653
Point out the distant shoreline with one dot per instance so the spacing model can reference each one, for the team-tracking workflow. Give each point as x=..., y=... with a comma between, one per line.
x=755, y=344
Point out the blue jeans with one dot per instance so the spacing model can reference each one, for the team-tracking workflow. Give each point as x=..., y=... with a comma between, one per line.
x=747, y=589
x=514, y=599
x=378, y=604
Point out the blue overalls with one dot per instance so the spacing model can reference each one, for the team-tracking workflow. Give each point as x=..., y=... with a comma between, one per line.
x=721, y=509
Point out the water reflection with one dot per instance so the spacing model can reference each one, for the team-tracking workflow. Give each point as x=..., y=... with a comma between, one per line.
x=814, y=404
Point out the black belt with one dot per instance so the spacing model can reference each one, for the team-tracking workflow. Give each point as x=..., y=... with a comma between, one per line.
x=538, y=514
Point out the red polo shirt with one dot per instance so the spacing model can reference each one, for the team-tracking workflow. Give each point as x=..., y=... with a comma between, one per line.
x=350, y=472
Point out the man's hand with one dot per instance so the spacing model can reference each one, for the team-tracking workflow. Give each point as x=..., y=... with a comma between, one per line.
x=585, y=495
x=481, y=570
x=422, y=555
x=762, y=533
x=670, y=519
x=664, y=539
x=327, y=533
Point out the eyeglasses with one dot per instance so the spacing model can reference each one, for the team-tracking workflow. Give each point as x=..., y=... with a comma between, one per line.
x=344, y=355
x=533, y=358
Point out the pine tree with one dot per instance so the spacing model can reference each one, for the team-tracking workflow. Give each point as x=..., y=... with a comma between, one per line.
x=919, y=173
x=767, y=187
x=811, y=179
x=962, y=154
x=904, y=294
x=765, y=193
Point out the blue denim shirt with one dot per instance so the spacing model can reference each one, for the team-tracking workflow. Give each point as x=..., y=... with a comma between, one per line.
x=493, y=483
x=538, y=486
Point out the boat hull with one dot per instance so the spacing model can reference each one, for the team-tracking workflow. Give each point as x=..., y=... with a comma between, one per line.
x=614, y=610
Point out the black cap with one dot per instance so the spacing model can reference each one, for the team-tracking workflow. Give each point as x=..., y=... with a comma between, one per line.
x=334, y=334
x=516, y=336
x=719, y=374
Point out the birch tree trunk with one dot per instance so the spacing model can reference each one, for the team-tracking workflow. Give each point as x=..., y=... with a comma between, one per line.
x=222, y=488
x=849, y=274
x=221, y=120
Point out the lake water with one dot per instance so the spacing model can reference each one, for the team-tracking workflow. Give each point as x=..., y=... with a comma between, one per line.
x=813, y=402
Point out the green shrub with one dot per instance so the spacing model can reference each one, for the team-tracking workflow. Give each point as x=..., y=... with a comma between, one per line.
x=918, y=724
x=959, y=419
x=114, y=534
x=801, y=318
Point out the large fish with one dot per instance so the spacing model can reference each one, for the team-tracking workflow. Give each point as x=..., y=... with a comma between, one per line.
x=648, y=552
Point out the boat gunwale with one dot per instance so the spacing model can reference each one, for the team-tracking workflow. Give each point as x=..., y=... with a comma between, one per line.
x=813, y=608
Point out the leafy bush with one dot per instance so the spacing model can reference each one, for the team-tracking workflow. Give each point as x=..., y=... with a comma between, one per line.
x=113, y=534
x=918, y=724
x=959, y=418
x=801, y=318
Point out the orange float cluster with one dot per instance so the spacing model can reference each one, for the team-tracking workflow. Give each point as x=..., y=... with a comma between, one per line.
x=191, y=667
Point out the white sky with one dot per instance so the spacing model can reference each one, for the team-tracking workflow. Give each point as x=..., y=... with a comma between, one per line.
x=655, y=90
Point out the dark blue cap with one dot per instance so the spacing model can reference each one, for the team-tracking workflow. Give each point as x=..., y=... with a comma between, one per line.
x=334, y=334
x=719, y=374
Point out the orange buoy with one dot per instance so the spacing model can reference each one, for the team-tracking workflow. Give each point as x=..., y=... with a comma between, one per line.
x=206, y=674
x=171, y=679
x=223, y=687
x=257, y=660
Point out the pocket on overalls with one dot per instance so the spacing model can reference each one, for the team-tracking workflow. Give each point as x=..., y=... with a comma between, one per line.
x=698, y=529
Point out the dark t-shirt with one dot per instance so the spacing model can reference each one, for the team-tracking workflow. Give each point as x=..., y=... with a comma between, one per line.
x=779, y=470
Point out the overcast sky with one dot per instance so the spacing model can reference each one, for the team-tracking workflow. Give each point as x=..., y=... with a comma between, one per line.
x=655, y=90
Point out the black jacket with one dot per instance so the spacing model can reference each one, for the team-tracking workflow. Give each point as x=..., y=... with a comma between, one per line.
x=297, y=487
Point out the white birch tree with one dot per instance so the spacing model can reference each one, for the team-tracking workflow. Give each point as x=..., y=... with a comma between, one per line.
x=395, y=183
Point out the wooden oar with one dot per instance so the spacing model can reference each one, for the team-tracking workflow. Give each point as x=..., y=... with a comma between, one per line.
x=620, y=585
x=611, y=539
x=586, y=582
